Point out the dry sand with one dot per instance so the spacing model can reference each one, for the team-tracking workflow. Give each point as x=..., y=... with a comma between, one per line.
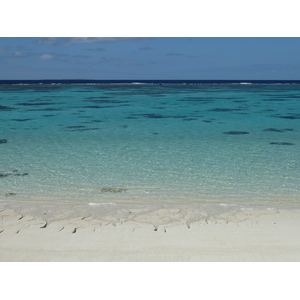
x=149, y=232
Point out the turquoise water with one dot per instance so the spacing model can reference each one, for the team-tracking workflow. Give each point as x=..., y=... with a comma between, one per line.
x=211, y=143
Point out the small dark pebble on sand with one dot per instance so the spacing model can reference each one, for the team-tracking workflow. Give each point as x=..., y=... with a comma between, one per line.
x=112, y=190
x=21, y=174
x=4, y=175
x=10, y=194
x=13, y=174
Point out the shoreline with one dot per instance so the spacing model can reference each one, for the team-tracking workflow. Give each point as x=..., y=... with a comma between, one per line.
x=130, y=232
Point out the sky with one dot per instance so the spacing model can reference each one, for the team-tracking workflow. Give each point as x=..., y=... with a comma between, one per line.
x=149, y=58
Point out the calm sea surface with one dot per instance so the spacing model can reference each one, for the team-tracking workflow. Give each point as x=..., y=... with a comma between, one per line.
x=211, y=142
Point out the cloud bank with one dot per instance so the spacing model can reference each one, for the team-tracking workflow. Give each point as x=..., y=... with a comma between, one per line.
x=46, y=56
x=84, y=40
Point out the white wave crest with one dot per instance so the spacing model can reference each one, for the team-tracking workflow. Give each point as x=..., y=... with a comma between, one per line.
x=102, y=203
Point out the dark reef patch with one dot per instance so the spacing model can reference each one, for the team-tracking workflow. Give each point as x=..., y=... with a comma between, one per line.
x=6, y=108
x=152, y=93
x=85, y=117
x=294, y=96
x=92, y=121
x=87, y=129
x=190, y=119
x=195, y=99
x=92, y=106
x=290, y=117
x=46, y=109
x=158, y=107
x=153, y=116
x=79, y=128
x=21, y=120
x=75, y=127
x=226, y=109
x=3, y=141
x=178, y=117
x=266, y=110
x=104, y=100
x=236, y=132
x=96, y=121
x=97, y=98
x=99, y=106
x=282, y=143
x=278, y=130
x=276, y=100
x=156, y=116
x=32, y=128
x=35, y=104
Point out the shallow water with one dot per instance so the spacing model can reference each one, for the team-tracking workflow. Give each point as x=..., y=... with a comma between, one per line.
x=213, y=143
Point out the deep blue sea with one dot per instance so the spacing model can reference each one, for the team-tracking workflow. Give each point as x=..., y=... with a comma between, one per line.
x=224, y=142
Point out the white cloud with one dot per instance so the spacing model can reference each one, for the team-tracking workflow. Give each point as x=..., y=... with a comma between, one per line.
x=48, y=40
x=46, y=56
x=84, y=40
x=174, y=54
x=3, y=49
x=145, y=48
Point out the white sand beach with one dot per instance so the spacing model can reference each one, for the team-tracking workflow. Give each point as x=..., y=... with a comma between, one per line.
x=147, y=233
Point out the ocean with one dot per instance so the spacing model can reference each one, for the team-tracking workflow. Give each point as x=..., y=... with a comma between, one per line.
x=93, y=141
